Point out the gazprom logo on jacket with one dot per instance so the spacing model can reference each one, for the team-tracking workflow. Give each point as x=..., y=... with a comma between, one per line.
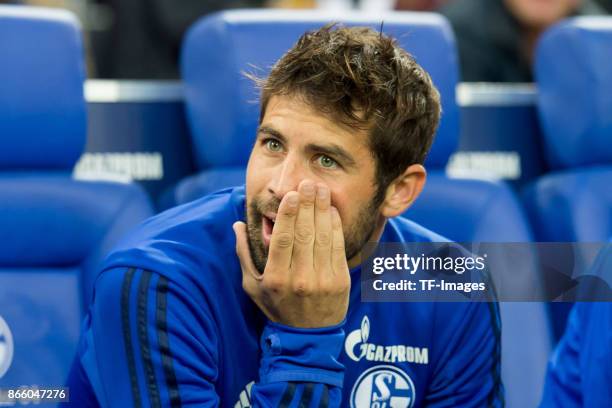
x=383, y=386
x=357, y=347
x=6, y=347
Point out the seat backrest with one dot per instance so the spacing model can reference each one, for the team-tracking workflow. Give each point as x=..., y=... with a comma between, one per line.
x=42, y=73
x=219, y=47
x=574, y=79
x=54, y=230
x=574, y=202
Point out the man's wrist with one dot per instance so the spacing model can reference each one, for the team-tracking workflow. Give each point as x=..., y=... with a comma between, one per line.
x=298, y=354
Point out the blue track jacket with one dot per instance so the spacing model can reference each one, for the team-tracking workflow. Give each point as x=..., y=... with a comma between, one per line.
x=171, y=326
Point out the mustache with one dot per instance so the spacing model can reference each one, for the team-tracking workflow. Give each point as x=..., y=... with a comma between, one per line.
x=259, y=207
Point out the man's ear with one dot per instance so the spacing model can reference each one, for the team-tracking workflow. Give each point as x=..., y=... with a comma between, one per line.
x=403, y=191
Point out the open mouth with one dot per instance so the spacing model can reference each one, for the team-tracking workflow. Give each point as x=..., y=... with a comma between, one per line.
x=267, y=228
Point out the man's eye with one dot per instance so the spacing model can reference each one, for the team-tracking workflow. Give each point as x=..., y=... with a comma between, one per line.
x=273, y=145
x=327, y=162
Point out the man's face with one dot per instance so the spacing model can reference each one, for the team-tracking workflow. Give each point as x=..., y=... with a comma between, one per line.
x=541, y=13
x=294, y=143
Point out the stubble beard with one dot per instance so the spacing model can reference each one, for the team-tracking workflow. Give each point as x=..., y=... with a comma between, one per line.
x=355, y=235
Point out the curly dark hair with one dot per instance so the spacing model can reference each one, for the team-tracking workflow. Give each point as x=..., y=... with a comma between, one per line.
x=363, y=79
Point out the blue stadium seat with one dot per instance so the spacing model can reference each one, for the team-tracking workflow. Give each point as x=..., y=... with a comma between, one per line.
x=573, y=203
x=53, y=230
x=486, y=211
x=220, y=47
x=574, y=79
x=470, y=210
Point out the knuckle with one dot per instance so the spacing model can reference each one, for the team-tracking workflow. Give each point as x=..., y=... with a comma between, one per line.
x=306, y=204
x=323, y=238
x=322, y=206
x=339, y=253
x=274, y=285
x=284, y=240
x=302, y=288
x=304, y=234
x=287, y=212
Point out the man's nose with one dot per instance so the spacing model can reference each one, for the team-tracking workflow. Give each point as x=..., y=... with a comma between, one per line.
x=287, y=178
